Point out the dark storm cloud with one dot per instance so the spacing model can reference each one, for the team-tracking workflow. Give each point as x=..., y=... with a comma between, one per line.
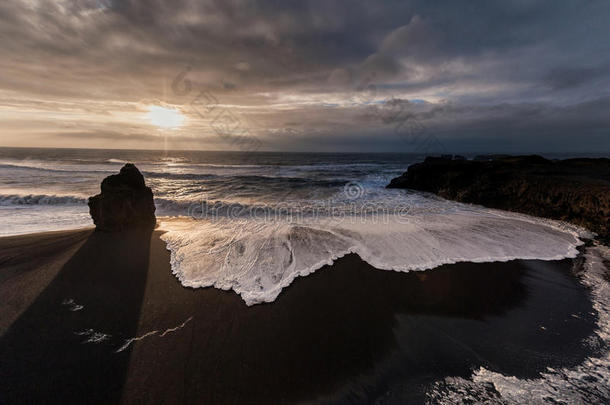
x=492, y=70
x=567, y=77
x=537, y=127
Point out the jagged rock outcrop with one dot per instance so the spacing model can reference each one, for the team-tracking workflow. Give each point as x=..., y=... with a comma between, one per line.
x=573, y=190
x=125, y=202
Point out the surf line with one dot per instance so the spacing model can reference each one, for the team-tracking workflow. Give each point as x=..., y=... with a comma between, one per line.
x=129, y=341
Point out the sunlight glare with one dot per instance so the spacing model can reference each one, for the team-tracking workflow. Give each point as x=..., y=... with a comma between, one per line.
x=163, y=117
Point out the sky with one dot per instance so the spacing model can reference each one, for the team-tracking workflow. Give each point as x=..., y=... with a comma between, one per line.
x=332, y=76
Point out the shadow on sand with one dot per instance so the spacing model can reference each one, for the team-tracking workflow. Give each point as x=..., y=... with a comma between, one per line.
x=44, y=357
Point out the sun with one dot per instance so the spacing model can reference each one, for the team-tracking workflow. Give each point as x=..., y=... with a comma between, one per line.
x=163, y=117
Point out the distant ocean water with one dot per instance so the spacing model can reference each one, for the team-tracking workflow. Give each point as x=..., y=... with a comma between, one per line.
x=253, y=222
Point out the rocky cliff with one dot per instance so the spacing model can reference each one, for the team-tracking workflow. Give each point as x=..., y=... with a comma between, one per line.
x=573, y=190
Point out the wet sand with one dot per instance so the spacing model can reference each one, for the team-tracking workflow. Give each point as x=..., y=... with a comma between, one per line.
x=348, y=333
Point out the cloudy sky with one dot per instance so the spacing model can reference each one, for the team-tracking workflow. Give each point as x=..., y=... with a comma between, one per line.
x=408, y=75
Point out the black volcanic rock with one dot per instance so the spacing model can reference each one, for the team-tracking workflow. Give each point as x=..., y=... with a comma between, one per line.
x=125, y=202
x=573, y=190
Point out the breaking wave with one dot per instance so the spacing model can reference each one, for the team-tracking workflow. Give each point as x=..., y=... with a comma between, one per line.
x=40, y=199
x=259, y=256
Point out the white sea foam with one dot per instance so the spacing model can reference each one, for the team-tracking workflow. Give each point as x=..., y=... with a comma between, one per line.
x=72, y=305
x=23, y=219
x=258, y=257
x=588, y=382
x=155, y=332
x=93, y=336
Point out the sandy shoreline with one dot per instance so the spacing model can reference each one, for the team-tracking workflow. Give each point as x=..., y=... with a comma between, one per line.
x=348, y=332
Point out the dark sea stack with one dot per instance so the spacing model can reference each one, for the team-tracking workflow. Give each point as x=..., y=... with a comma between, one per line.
x=124, y=203
x=573, y=190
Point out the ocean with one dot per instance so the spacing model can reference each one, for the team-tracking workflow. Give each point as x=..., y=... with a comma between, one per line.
x=253, y=222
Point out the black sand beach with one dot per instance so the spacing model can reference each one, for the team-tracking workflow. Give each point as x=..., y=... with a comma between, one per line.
x=348, y=333
x=166, y=164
